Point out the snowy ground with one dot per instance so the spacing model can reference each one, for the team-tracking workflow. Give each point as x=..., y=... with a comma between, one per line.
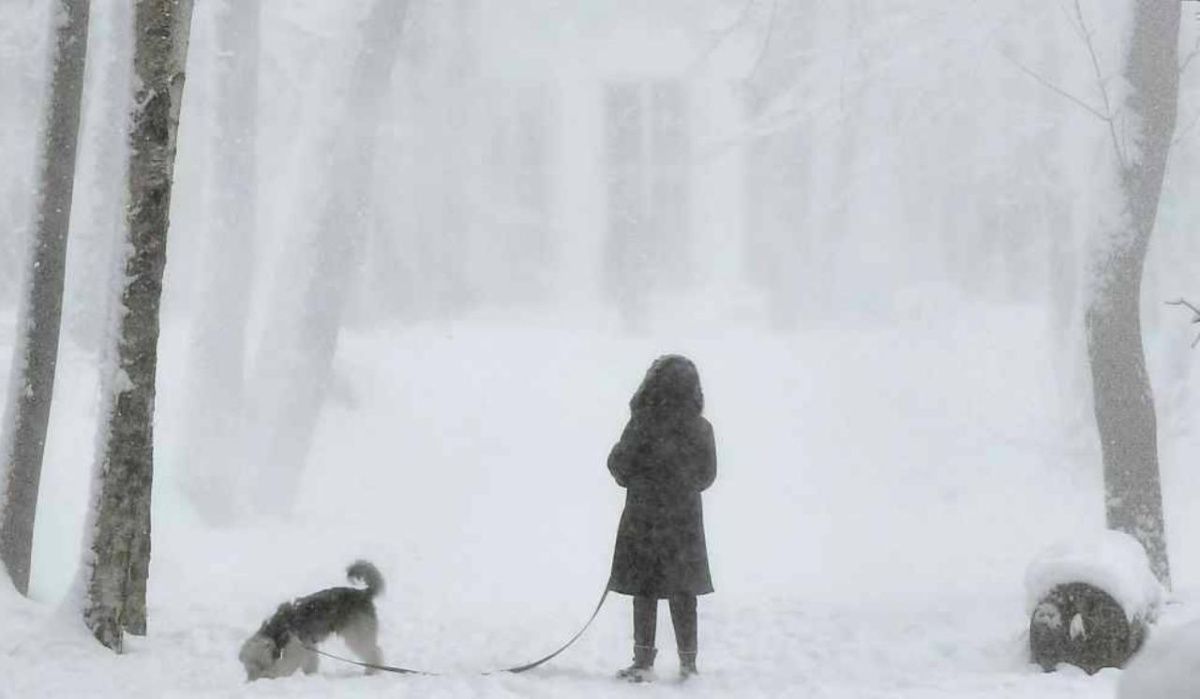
x=880, y=492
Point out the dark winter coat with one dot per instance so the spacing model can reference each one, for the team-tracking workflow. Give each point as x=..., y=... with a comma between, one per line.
x=665, y=458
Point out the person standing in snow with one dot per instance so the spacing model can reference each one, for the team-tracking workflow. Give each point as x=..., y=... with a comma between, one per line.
x=665, y=458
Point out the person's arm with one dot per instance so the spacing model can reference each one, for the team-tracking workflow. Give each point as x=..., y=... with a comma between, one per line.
x=706, y=459
x=620, y=459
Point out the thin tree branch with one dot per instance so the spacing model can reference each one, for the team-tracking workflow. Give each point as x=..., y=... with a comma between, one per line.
x=1112, y=127
x=1184, y=302
x=1183, y=67
x=1071, y=21
x=722, y=35
x=1186, y=130
x=766, y=42
x=1195, y=315
x=1190, y=57
x=1058, y=90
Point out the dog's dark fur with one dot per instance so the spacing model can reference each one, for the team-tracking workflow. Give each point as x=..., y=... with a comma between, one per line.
x=281, y=645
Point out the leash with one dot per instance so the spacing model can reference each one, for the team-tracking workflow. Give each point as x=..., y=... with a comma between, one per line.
x=373, y=666
x=568, y=644
x=514, y=670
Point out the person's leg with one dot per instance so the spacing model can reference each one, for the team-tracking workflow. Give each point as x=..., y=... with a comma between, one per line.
x=645, y=620
x=683, y=617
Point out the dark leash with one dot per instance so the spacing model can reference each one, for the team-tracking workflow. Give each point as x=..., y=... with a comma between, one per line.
x=514, y=670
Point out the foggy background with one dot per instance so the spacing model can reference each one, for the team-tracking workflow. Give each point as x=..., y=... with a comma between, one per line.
x=763, y=163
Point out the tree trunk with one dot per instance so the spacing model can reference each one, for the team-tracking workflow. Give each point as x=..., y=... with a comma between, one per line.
x=779, y=178
x=213, y=438
x=1124, y=404
x=36, y=354
x=629, y=243
x=295, y=361
x=119, y=546
x=837, y=183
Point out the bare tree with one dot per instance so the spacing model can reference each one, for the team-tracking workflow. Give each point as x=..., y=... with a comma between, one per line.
x=1141, y=127
x=35, y=358
x=647, y=144
x=118, y=548
x=779, y=171
x=295, y=359
x=216, y=374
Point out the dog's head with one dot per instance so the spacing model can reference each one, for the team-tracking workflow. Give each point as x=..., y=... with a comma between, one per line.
x=258, y=655
x=262, y=651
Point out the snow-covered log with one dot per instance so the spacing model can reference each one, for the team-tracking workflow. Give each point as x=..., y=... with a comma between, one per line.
x=1090, y=602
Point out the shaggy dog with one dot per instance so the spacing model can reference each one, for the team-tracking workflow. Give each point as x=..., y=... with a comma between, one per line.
x=278, y=648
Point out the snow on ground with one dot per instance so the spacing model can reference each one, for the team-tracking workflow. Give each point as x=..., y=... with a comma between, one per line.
x=1167, y=668
x=881, y=490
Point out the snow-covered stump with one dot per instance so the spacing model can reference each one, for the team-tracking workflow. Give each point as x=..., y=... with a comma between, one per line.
x=1090, y=602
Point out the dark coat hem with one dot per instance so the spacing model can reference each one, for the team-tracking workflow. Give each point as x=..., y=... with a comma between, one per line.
x=658, y=594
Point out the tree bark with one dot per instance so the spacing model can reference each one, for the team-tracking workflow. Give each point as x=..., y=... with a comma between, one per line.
x=295, y=361
x=36, y=355
x=119, y=546
x=1124, y=405
x=213, y=437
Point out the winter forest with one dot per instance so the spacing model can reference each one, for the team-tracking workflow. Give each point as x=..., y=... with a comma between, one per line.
x=291, y=284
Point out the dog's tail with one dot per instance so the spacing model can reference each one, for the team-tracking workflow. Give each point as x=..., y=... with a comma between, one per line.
x=368, y=574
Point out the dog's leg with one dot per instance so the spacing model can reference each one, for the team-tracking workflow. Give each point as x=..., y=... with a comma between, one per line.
x=361, y=637
x=291, y=659
x=311, y=662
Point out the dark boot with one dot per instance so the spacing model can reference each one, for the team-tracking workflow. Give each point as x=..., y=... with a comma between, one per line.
x=642, y=669
x=687, y=664
x=683, y=616
x=645, y=619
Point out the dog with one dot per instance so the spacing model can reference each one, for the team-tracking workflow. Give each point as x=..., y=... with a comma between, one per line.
x=282, y=644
